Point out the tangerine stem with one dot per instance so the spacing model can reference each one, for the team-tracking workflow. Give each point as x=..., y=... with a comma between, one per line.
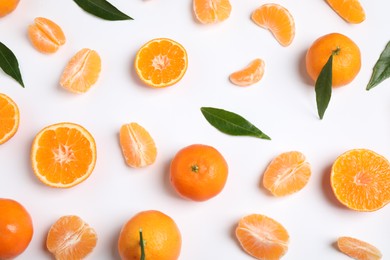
x=336, y=51
x=142, y=244
x=195, y=168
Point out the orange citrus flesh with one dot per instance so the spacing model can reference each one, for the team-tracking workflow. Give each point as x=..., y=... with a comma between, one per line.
x=45, y=35
x=63, y=155
x=249, y=75
x=360, y=180
x=82, y=71
x=7, y=6
x=262, y=237
x=71, y=238
x=212, y=11
x=161, y=62
x=9, y=118
x=358, y=249
x=138, y=147
x=276, y=19
x=350, y=10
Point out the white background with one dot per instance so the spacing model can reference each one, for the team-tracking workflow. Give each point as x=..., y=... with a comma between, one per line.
x=282, y=105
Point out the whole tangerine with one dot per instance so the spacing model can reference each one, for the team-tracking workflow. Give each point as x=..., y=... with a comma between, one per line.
x=7, y=6
x=198, y=172
x=16, y=228
x=346, y=58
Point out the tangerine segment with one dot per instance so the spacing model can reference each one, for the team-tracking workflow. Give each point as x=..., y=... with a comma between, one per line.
x=45, y=35
x=211, y=11
x=71, y=238
x=82, y=71
x=287, y=173
x=9, y=118
x=249, y=75
x=358, y=249
x=161, y=62
x=138, y=146
x=278, y=20
x=360, y=180
x=350, y=10
x=262, y=237
x=63, y=155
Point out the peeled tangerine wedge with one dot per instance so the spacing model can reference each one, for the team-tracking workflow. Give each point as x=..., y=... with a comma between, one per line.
x=249, y=75
x=262, y=237
x=278, y=20
x=45, y=35
x=138, y=147
x=358, y=249
x=9, y=118
x=350, y=10
x=211, y=11
x=82, y=71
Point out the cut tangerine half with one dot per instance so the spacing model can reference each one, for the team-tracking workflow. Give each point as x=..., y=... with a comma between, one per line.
x=360, y=180
x=212, y=11
x=286, y=174
x=138, y=146
x=358, y=249
x=63, y=155
x=276, y=19
x=248, y=75
x=71, y=238
x=9, y=118
x=161, y=62
x=82, y=71
x=350, y=10
x=262, y=237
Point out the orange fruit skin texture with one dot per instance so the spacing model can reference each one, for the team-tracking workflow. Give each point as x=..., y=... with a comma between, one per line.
x=70, y=238
x=162, y=238
x=198, y=172
x=63, y=155
x=346, y=62
x=16, y=228
x=287, y=173
x=277, y=20
x=249, y=75
x=358, y=249
x=7, y=6
x=138, y=147
x=45, y=35
x=9, y=118
x=161, y=62
x=211, y=11
x=262, y=237
x=350, y=10
x=360, y=180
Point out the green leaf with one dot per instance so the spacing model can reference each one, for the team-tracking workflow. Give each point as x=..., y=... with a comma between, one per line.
x=102, y=9
x=381, y=69
x=231, y=123
x=142, y=244
x=323, y=87
x=9, y=64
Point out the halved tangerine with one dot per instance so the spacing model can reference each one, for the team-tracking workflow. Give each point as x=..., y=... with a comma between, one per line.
x=9, y=118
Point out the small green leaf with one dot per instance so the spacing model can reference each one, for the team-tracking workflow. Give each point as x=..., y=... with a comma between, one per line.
x=323, y=87
x=381, y=69
x=102, y=9
x=142, y=244
x=231, y=123
x=9, y=64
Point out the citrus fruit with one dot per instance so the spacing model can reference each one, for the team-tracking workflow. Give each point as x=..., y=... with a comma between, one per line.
x=63, y=155
x=198, y=172
x=287, y=173
x=16, y=228
x=248, y=75
x=9, y=118
x=277, y=20
x=161, y=236
x=7, y=6
x=262, y=237
x=211, y=11
x=45, y=35
x=346, y=58
x=350, y=10
x=82, y=71
x=138, y=147
x=358, y=249
x=161, y=62
x=70, y=238
x=360, y=180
